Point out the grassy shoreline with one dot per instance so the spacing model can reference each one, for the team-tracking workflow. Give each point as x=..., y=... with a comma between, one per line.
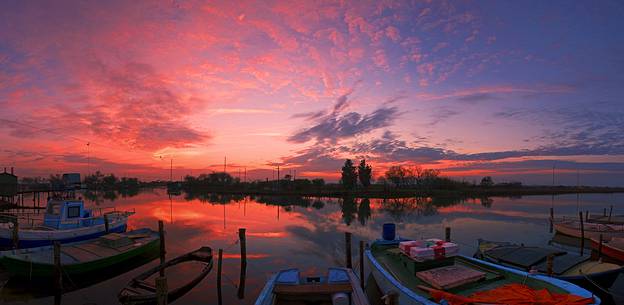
x=474, y=192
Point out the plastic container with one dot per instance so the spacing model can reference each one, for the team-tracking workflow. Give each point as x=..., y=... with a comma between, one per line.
x=389, y=231
x=433, y=249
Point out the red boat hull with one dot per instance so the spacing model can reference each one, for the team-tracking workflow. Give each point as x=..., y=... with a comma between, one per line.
x=609, y=251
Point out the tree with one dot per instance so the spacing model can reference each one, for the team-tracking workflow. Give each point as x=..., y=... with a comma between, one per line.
x=318, y=184
x=365, y=173
x=349, y=175
x=396, y=175
x=487, y=181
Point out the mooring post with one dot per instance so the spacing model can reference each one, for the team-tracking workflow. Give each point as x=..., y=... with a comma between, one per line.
x=106, y=223
x=552, y=219
x=161, y=234
x=447, y=234
x=604, y=212
x=348, y=250
x=219, y=263
x=586, y=215
x=243, y=269
x=582, y=232
x=161, y=290
x=362, y=264
x=610, y=212
x=58, y=274
x=549, y=264
x=15, y=233
x=600, y=247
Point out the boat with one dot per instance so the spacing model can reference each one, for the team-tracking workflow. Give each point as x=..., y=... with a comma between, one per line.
x=65, y=220
x=572, y=267
x=81, y=259
x=140, y=291
x=613, y=248
x=339, y=286
x=428, y=280
x=591, y=230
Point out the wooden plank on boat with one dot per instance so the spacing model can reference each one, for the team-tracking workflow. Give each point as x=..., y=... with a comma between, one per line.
x=78, y=254
x=450, y=276
x=312, y=289
x=97, y=249
x=144, y=285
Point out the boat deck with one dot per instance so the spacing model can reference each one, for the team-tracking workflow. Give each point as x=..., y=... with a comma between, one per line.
x=404, y=268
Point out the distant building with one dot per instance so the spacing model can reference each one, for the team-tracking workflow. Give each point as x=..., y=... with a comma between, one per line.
x=8, y=184
x=71, y=180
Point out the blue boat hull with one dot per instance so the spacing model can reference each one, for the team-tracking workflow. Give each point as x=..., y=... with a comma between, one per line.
x=8, y=243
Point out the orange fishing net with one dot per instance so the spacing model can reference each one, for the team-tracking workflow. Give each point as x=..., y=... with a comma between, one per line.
x=512, y=294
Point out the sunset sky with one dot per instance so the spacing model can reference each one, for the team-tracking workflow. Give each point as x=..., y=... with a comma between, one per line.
x=474, y=88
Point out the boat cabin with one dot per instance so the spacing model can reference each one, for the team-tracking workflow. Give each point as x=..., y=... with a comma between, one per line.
x=66, y=214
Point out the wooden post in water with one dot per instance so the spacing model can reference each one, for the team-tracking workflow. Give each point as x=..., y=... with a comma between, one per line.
x=243, y=268
x=549, y=264
x=582, y=232
x=161, y=290
x=586, y=215
x=447, y=234
x=604, y=212
x=362, y=264
x=610, y=212
x=15, y=233
x=600, y=247
x=161, y=234
x=552, y=219
x=219, y=263
x=106, y=223
x=58, y=274
x=348, y=250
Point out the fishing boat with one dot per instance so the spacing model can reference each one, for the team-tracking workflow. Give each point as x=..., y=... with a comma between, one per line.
x=140, y=291
x=339, y=286
x=571, y=267
x=433, y=274
x=65, y=220
x=81, y=259
x=613, y=248
x=590, y=230
x=606, y=219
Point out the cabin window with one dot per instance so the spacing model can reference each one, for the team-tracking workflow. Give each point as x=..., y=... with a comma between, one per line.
x=54, y=209
x=73, y=212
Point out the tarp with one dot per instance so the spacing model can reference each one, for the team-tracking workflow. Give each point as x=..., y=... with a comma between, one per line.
x=512, y=294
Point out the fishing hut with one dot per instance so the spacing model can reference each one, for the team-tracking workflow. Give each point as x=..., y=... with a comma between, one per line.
x=8, y=187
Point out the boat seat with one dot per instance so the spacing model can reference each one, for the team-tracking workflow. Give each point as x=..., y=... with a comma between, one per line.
x=144, y=285
x=312, y=289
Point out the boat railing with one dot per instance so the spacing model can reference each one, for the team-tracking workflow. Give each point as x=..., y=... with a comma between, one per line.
x=113, y=216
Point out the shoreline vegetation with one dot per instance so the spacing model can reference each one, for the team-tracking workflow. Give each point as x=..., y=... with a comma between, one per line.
x=356, y=181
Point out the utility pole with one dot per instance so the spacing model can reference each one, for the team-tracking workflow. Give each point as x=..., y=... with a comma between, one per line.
x=225, y=164
x=88, y=159
x=171, y=171
x=245, y=179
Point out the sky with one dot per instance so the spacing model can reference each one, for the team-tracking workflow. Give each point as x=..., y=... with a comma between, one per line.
x=509, y=89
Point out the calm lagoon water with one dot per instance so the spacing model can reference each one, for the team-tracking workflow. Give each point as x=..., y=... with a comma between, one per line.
x=308, y=234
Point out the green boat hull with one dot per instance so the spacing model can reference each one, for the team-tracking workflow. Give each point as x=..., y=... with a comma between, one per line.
x=40, y=271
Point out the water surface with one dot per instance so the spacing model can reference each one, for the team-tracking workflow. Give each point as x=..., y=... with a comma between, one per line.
x=308, y=233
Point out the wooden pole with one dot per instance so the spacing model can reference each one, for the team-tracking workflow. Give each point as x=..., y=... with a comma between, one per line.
x=15, y=233
x=348, y=249
x=600, y=247
x=362, y=264
x=58, y=275
x=447, y=234
x=604, y=212
x=582, y=233
x=243, y=269
x=552, y=219
x=161, y=234
x=586, y=215
x=219, y=263
x=610, y=212
x=161, y=290
x=106, y=223
x=549, y=264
